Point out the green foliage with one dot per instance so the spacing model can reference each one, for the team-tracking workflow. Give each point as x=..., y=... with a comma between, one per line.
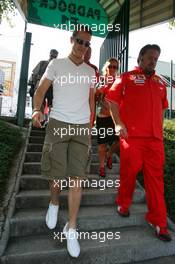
x=169, y=140
x=10, y=143
x=171, y=23
x=6, y=6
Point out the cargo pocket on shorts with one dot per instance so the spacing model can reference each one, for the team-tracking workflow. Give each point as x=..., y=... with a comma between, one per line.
x=45, y=160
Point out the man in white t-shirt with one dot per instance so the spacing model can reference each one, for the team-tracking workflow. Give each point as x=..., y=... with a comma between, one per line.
x=65, y=150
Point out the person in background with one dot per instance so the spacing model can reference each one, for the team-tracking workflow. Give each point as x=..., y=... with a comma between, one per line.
x=35, y=78
x=137, y=102
x=104, y=122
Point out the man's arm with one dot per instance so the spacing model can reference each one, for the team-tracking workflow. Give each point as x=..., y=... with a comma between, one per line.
x=38, y=99
x=164, y=103
x=114, y=98
x=119, y=126
x=92, y=106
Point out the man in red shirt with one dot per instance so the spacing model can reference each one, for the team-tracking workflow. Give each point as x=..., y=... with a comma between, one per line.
x=137, y=102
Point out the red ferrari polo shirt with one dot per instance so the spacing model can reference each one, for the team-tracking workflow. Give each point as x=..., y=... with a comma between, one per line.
x=141, y=100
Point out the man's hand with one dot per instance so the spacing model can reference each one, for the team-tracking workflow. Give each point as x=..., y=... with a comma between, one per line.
x=92, y=120
x=37, y=118
x=121, y=130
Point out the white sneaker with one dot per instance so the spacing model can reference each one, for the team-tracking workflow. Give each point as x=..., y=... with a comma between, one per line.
x=52, y=215
x=73, y=245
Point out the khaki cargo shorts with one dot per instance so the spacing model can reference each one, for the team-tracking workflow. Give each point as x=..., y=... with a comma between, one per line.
x=65, y=150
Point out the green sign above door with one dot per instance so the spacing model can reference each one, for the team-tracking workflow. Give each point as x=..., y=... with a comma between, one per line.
x=64, y=14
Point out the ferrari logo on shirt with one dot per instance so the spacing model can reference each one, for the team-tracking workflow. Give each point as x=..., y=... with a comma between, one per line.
x=140, y=79
x=158, y=80
x=155, y=78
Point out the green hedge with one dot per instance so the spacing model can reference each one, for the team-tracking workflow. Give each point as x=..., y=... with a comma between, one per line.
x=169, y=140
x=10, y=143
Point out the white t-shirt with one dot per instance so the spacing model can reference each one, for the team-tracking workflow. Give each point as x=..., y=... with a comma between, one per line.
x=71, y=87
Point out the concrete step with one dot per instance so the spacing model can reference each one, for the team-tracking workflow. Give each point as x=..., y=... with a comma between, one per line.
x=32, y=221
x=37, y=129
x=33, y=147
x=162, y=260
x=35, y=168
x=37, y=182
x=89, y=176
x=40, y=140
x=122, y=245
x=41, y=198
x=36, y=139
x=36, y=157
x=36, y=133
